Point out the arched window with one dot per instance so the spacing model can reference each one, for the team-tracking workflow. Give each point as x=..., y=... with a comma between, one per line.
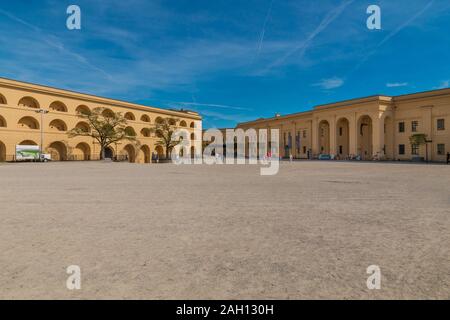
x=183, y=123
x=3, y=99
x=83, y=109
x=130, y=116
x=145, y=132
x=145, y=118
x=3, y=123
x=29, y=102
x=159, y=120
x=58, y=106
x=28, y=123
x=83, y=126
x=58, y=125
x=129, y=131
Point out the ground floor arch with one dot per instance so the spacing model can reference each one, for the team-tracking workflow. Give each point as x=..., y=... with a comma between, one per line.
x=324, y=137
x=130, y=152
x=160, y=151
x=2, y=152
x=144, y=154
x=28, y=143
x=343, y=138
x=365, y=137
x=82, y=152
x=58, y=151
x=109, y=153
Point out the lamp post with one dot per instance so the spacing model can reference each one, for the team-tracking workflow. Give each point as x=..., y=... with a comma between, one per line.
x=42, y=112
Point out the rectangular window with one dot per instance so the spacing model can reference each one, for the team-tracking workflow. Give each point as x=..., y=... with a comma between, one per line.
x=340, y=131
x=414, y=126
x=304, y=133
x=441, y=124
x=401, y=149
x=401, y=127
x=341, y=150
x=415, y=149
x=304, y=150
x=441, y=149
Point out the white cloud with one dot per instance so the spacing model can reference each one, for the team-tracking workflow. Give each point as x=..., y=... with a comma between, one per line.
x=396, y=84
x=444, y=85
x=331, y=83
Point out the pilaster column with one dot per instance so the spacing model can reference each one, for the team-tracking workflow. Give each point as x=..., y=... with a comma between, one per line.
x=378, y=135
x=315, y=137
x=333, y=148
x=353, y=134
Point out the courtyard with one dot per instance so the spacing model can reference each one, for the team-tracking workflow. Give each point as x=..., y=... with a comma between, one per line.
x=224, y=232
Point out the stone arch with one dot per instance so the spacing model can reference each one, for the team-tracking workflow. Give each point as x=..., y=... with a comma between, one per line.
x=365, y=137
x=108, y=113
x=130, y=151
x=145, y=118
x=129, y=116
x=58, y=125
x=144, y=154
x=129, y=131
x=159, y=120
x=2, y=152
x=28, y=123
x=146, y=132
x=28, y=143
x=58, y=151
x=3, y=123
x=83, y=151
x=343, y=137
x=160, y=151
x=172, y=122
x=82, y=109
x=83, y=126
x=3, y=99
x=109, y=153
x=324, y=137
x=29, y=102
x=183, y=123
x=58, y=106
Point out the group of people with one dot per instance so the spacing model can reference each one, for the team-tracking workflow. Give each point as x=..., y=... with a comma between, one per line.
x=155, y=157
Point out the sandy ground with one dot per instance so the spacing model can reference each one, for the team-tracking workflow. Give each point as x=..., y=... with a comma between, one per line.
x=224, y=232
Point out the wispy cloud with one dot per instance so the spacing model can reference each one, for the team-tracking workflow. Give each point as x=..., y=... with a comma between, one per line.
x=443, y=85
x=263, y=31
x=208, y=105
x=396, y=84
x=54, y=42
x=331, y=83
x=394, y=33
x=304, y=45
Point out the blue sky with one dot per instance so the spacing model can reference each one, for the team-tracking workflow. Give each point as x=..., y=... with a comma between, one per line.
x=230, y=60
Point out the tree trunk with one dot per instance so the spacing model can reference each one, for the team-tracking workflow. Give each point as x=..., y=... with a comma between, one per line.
x=102, y=153
x=167, y=153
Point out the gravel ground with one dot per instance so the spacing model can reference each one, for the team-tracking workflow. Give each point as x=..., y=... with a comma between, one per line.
x=224, y=232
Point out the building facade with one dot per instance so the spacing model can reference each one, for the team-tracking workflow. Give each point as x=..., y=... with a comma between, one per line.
x=377, y=127
x=22, y=124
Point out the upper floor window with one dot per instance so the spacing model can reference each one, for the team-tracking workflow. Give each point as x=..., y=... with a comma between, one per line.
x=441, y=124
x=441, y=149
x=414, y=126
x=401, y=127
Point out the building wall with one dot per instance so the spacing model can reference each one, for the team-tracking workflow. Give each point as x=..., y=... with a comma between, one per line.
x=367, y=127
x=20, y=124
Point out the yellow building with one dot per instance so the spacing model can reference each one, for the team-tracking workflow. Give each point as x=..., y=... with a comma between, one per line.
x=20, y=123
x=377, y=127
